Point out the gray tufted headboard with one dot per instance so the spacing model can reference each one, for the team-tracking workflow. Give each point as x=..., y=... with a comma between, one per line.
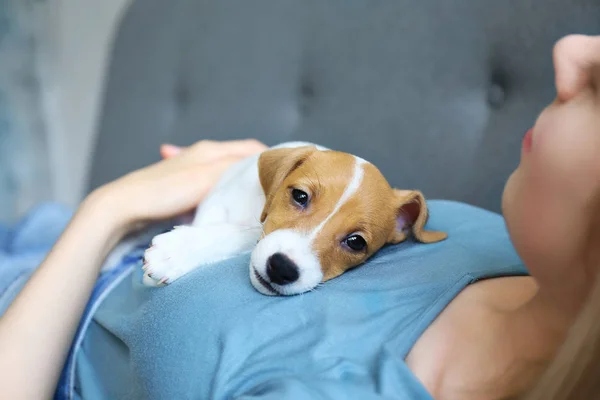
x=437, y=93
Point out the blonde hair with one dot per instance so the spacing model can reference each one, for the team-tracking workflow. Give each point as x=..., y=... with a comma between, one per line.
x=574, y=374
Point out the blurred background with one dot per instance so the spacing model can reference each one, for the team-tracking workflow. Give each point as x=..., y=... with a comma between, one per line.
x=53, y=56
x=436, y=93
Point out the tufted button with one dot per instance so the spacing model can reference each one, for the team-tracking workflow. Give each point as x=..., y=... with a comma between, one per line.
x=496, y=95
x=307, y=90
x=182, y=95
x=307, y=93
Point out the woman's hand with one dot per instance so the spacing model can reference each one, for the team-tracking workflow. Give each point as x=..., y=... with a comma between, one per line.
x=38, y=327
x=172, y=186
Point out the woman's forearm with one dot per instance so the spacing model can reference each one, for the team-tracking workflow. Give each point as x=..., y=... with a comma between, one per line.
x=37, y=329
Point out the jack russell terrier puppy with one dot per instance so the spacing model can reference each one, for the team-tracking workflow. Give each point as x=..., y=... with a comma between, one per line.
x=307, y=213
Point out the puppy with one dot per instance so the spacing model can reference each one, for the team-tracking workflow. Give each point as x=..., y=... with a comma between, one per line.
x=307, y=214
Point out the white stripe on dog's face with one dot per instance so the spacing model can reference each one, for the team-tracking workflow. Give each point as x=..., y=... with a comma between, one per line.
x=350, y=190
x=342, y=202
x=297, y=247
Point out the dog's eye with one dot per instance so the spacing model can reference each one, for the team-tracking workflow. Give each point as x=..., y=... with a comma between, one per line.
x=300, y=197
x=356, y=242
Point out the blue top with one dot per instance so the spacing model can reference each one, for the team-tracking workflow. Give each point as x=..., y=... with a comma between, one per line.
x=210, y=335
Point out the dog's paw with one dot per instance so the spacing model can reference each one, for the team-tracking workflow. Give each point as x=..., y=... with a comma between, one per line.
x=169, y=257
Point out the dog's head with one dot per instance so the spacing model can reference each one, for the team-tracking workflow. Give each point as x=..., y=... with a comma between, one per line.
x=326, y=212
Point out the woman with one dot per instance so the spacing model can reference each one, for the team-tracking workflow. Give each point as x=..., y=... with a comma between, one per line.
x=490, y=339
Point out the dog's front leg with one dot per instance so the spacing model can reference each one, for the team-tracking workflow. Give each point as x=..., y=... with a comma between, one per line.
x=185, y=248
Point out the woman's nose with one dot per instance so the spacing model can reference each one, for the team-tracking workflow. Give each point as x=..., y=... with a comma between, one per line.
x=576, y=65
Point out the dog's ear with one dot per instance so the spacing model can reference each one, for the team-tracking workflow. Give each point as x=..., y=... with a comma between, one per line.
x=411, y=216
x=275, y=165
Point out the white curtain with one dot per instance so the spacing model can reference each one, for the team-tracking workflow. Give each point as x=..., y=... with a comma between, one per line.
x=25, y=177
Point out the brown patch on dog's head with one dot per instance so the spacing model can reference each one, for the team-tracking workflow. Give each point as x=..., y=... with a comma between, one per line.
x=274, y=166
x=338, y=206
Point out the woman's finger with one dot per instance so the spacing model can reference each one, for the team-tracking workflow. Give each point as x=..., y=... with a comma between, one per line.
x=169, y=150
x=216, y=168
x=208, y=149
x=195, y=181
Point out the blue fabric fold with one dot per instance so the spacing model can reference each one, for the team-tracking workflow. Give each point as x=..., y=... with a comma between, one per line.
x=210, y=335
x=24, y=246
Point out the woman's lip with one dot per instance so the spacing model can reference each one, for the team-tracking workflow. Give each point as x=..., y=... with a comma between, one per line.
x=528, y=140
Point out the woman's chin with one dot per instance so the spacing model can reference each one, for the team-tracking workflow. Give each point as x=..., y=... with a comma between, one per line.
x=512, y=208
x=508, y=194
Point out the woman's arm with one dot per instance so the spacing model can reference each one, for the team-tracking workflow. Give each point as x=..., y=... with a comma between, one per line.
x=37, y=329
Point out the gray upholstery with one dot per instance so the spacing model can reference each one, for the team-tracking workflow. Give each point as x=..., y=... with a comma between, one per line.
x=437, y=93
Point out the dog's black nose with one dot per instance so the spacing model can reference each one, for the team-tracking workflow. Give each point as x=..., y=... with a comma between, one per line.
x=281, y=270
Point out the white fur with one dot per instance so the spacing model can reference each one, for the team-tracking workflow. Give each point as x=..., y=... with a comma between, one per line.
x=296, y=247
x=227, y=223
x=175, y=253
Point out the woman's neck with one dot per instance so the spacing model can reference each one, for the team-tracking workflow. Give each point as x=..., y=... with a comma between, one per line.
x=541, y=321
x=538, y=328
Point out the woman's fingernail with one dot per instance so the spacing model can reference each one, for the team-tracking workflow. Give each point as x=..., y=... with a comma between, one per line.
x=169, y=150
